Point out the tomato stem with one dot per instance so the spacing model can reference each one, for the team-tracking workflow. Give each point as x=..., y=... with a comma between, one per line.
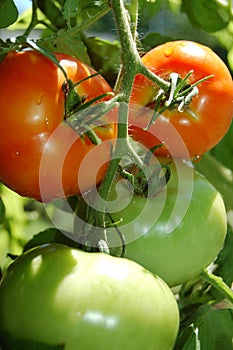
x=131, y=65
x=54, y=38
x=34, y=18
x=218, y=283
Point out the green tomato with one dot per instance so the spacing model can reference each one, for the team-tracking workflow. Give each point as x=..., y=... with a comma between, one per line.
x=177, y=232
x=56, y=294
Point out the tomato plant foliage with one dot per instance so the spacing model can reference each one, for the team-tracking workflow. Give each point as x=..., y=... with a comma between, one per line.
x=68, y=70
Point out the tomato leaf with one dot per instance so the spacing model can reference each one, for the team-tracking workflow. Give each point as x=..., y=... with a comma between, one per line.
x=73, y=46
x=224, y=150
x=208, y=15
x=224, y=261
x=8, y=13
x=8, y=342
x=69, y=9
x=88, y=9
x=2, y=211
x=105, y=57
x=209, y=328
x=219, y=175
x=153, y=39
x=230, y=58
x=50, y=235
x=52, y=12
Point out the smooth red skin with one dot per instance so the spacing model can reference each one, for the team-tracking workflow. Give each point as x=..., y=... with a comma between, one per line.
x=213, y=106
x=32, y=107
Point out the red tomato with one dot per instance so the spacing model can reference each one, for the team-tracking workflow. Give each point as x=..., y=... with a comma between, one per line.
x=40, y=155
x=203, y=123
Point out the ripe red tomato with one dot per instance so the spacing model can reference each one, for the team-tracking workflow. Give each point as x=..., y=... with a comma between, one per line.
x=201, y=124
x=40, y=155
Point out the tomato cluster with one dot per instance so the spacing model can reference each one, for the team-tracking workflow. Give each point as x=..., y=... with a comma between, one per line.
x=86, y=300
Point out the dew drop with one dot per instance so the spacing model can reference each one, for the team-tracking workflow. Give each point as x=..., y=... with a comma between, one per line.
x=39, y=99
x=15, y=154
x=168, y=52
x=196, y=159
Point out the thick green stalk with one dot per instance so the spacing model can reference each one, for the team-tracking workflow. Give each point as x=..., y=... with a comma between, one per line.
x=130, y=62
x=131, y=65
x=129, y=55
x=34, y=18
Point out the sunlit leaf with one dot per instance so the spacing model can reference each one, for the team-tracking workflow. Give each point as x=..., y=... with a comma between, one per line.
x=209, y=15
x=73, y=46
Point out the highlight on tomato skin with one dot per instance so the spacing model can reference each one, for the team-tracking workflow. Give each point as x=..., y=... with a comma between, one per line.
x=201, y=124
x=32, y=104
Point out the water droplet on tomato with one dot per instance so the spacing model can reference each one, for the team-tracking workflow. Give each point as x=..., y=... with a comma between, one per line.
x=196, y=159
x=15, y=154
x=39, y=99
x=168, y=52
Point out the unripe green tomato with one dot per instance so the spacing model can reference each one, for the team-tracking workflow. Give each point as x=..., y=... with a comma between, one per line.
x=56, y=294
x=177, y=232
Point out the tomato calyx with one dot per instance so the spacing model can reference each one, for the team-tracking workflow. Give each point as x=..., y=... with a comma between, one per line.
x=72, y=98
x=146, y=181
x=87, y=117
x=179, y=96
x=74, y=104
x=96, y=239
x=145, y=177
x=73, y=101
